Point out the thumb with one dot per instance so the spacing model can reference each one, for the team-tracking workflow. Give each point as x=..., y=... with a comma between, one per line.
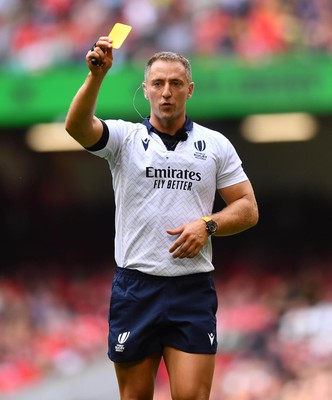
x=176, y=231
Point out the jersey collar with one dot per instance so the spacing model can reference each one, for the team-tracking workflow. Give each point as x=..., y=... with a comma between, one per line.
x=187, y=126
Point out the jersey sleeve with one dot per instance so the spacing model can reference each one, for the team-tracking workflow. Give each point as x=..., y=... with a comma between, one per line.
x=231, y=171
x=110, y=144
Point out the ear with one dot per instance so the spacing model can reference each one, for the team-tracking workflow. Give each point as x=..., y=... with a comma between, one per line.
x=145, y=91
x=190, y=90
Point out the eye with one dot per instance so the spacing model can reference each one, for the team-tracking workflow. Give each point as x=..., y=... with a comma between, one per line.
x=177, y=83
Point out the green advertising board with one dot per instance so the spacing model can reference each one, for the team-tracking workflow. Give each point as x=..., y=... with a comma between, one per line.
x=224, y=88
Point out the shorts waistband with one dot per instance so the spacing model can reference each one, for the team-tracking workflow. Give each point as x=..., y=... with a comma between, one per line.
x=142, y=275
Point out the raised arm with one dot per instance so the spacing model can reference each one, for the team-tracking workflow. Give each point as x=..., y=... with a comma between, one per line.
x=81, y=123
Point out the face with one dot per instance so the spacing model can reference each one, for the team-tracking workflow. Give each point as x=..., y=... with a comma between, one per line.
x=167, y=88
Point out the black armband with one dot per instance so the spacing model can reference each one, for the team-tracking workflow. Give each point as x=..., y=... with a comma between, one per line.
x=102, y=141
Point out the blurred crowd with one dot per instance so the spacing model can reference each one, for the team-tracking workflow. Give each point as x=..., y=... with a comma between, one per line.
x=49, y=326
x=37, y=34
x=275, y=328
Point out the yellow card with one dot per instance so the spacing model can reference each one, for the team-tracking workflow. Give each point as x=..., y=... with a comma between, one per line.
x=119, y=34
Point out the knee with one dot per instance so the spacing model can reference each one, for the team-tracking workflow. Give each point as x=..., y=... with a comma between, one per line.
x=136, y=390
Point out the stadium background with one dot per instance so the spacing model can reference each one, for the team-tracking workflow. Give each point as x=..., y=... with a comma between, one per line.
x=56, y=231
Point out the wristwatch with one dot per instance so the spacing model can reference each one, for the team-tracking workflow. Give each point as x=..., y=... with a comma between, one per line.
x=211, y=225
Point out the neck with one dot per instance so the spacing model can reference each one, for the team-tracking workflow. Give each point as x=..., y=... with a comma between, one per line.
x=167, y=126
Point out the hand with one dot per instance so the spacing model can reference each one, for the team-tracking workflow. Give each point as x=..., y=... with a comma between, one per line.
x=192, y=238
x=102, y=52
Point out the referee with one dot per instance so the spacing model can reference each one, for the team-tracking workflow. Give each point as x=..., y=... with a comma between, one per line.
x=165, y=170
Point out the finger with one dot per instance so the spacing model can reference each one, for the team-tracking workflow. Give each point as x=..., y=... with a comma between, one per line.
x=176, y=231
x=175, y=246
x=104, y=41
x=183, y=250
x=99, y=50
x=194, y=252
x=94, y=58
x=188, y=250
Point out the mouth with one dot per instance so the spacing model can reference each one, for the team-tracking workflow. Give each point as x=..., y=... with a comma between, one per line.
x=165, y=105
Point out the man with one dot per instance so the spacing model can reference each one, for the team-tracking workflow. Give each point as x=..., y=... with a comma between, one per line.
x=165, y=172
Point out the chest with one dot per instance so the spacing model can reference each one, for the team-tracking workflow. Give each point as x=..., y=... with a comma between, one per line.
x=148, y=165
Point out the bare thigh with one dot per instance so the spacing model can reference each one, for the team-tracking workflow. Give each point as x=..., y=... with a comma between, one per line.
x=190, y=374
x=136, y=380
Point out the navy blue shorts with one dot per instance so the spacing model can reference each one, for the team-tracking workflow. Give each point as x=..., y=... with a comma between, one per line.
x=150, y=312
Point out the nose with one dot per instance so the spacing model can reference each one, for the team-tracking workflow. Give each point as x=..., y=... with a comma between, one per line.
x=167, y=92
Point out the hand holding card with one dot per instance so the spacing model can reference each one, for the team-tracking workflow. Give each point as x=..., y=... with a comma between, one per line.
x=118, y=34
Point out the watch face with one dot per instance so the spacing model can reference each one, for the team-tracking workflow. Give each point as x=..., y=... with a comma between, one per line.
x=211, y=227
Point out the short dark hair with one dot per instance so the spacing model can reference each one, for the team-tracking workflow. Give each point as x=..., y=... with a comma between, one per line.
x=169, y=56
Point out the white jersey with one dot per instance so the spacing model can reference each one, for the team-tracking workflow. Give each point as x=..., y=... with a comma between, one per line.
x=156, y=190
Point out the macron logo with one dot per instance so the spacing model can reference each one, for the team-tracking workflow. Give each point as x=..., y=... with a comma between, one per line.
x=145, y=143
x=211, y=337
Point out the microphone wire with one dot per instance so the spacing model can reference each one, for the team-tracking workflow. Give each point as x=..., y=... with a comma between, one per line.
x=134, y=99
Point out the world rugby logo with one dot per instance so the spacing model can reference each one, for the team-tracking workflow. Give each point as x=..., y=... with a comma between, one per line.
x=123, y=337
x=200, y=145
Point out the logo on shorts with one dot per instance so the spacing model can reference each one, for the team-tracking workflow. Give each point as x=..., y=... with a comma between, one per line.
x=211, y=337
x=121, y=339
